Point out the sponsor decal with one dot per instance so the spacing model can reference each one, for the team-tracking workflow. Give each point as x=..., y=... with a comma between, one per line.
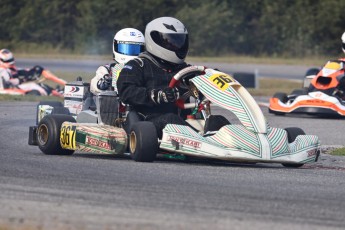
x=128, y=67
x=132, y=33
x=318, y=94
x=185, y=141
x=97, y=143
x=74, y=91
x=73, y=106
x=221, y=80
x=315, y=101
x=311, y=152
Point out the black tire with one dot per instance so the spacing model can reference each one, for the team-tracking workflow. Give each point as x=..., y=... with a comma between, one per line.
x=51, y=103
x=299, y=92
x=61, y=110
x=143, y=141
x=281, y=96
x=312, y=71
x=292, y=133
x=54, y=104
x=33, y=93
x=48, y=134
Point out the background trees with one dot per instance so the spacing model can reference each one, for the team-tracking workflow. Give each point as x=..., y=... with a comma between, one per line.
x=219, y=27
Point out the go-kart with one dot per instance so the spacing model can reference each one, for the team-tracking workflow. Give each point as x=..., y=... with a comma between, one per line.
x=322, y=93
x=37, y=87
x=112, y=130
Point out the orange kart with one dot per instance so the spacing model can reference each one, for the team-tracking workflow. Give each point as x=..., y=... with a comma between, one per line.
x=37, y=87
x=323, y=94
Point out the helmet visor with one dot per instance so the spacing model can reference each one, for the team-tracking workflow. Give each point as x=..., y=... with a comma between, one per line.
x=131, y=49
x=177, y=43
x=10, y=61
x=343, y=45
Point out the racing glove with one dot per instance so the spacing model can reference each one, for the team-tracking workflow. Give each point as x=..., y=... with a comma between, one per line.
x=167, y=95
x=104, y=83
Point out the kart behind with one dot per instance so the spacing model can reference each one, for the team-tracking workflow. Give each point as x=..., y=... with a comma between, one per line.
x=322, y=94
x=104, y=125
x=37, y=86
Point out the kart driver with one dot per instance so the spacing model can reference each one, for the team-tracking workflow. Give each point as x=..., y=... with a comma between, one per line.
x=143, y=82
x=128, y=43
x=343, y=44
x=10, y=75
x=340, y=90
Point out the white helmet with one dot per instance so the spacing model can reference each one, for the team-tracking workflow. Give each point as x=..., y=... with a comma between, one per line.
x=128, y=43
x=343, y=42
x=167, y=39
x=6, y=58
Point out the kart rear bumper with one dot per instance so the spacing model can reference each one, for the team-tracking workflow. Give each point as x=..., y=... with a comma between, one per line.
x=33, y=135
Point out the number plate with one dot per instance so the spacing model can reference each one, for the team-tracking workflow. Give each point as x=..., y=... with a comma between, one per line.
x=67, y=137
x=222, y=81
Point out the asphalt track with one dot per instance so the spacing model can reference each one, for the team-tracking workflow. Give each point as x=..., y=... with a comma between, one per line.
x=89, y=191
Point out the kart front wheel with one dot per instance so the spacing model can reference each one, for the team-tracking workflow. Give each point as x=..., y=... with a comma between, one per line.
x=292, y=133
x=48, y=134
x=143, y=141
x=281, y=97
x=298, y=92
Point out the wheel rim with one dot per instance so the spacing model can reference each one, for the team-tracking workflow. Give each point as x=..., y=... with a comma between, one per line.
x=42, y=134
x=132, y=142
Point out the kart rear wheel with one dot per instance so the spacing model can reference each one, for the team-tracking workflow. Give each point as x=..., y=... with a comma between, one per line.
x=143, y=141
x=48, y=134
x=292, y=133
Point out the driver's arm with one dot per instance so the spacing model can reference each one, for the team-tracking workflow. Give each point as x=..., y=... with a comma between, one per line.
x=28, y=75
x=22, y=75
x=131, y=85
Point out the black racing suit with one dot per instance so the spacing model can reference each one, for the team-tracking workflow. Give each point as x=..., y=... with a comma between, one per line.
x=136, y=81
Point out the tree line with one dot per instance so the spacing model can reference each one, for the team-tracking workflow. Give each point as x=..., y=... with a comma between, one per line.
x=285, y=28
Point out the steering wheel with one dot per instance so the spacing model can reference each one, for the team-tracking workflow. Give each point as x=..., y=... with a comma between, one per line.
x=182, y=77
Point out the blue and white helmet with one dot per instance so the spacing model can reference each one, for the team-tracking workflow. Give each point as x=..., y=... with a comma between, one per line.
x=167, y=39
x=128, y=43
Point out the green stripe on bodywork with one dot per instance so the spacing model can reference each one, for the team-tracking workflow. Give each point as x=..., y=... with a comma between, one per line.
x=80, y=137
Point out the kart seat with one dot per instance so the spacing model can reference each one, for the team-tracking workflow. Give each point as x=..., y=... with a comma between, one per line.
x=89, y=102
x=107, y=107
x=214, y=123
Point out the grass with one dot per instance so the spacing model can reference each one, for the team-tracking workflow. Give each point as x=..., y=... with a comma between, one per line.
x=338, y=152
x=268, y=86
x=309, y=61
